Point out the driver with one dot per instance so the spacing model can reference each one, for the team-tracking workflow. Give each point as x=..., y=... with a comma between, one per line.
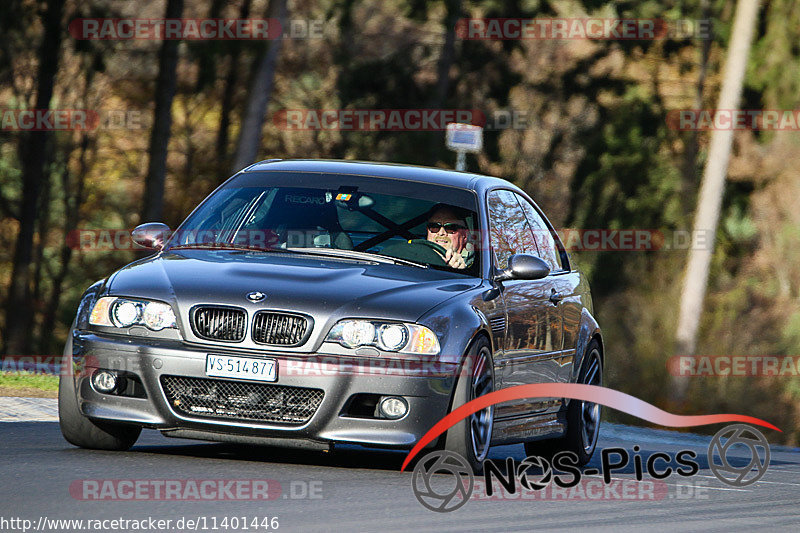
x=447, y=228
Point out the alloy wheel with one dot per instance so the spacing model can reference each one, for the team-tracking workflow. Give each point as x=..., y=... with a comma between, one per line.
x=590, y=412
x=481, y=422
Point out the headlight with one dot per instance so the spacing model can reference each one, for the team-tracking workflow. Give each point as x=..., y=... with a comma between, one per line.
x=125, y=312
x=357, y=333
x=157, y=316
x=390, y=337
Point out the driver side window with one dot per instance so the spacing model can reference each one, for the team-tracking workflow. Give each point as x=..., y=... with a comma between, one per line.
x=509, y=231
x=544, y=239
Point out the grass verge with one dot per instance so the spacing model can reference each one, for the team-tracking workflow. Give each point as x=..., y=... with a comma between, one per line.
x=28, y=384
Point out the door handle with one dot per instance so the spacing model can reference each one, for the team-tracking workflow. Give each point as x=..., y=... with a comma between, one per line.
x=555, y=297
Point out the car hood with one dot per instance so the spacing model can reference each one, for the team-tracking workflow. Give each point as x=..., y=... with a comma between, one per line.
x=326, y=289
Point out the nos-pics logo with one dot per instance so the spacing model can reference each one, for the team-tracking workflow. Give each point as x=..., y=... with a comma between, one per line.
x=448, y=493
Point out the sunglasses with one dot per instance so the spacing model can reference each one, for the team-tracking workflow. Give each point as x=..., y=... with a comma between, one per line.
x=450, y=227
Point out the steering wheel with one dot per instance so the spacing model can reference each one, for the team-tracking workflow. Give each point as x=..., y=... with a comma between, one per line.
x=442, y=250
x=423, y=251
x=432, y=245
x=468, y=260
x=429, y=251
x=419, y=250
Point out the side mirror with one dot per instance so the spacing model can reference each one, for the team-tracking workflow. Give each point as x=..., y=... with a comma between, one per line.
x=152, y=235
x=524, y=266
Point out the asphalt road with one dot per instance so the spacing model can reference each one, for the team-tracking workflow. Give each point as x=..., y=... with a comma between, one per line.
x=353, y=489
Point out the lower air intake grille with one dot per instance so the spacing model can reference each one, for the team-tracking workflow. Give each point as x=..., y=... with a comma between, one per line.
x=279, y=329
x=234, y=400
x=219, y=323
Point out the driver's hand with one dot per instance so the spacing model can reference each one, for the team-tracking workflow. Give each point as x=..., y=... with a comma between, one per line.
x=454, y=260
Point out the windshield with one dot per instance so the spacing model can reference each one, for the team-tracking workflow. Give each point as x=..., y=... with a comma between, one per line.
x=359, y=217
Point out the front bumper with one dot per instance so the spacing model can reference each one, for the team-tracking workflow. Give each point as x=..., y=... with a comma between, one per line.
x=427, y=393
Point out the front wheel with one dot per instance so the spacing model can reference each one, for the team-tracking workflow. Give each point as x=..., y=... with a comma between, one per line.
x=583, y=418
x=471, y=438
x=79, y=430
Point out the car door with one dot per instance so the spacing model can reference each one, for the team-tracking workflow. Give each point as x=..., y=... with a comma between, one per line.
x=564, y=298
x=534, y=330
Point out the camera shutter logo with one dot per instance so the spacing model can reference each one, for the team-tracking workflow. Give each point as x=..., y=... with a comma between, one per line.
x=528, y=479
x=738, y=435
x=448, y=497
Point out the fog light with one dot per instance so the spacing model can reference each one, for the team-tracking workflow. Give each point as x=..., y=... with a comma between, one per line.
x=393, y=407
x=104, y=381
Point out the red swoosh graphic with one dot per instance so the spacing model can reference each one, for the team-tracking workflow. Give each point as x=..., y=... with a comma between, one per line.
x=575, y=391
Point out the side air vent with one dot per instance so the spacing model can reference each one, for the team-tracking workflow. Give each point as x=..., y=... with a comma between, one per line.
x=498, y=323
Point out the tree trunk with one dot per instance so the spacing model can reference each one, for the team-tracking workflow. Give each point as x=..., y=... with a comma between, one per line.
x=446, y=58
x=712, y=189
x=153, y=205
x=692, y=144
x=34, y=157
x=448, y=54
x=231, y=82
x=343, y=57
x=72, y=217
x=208, y=52
x=259, y=95
x=44, y=226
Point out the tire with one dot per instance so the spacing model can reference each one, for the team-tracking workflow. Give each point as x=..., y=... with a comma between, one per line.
x=79, y=430
x=583, y=418
x=471, y=438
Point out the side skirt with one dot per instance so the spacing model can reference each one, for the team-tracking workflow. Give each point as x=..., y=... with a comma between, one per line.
x=514, y=430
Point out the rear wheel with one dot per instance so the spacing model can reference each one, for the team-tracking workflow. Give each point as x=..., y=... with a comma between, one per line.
x=583, y=418
x=471, y=438
x=85, y=433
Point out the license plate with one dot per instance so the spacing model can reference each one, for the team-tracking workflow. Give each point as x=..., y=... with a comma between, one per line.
x=224, y=366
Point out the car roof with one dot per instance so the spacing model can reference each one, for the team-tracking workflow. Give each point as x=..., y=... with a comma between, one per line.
x=440, y=176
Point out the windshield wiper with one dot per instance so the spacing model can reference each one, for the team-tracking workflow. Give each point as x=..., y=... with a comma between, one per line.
x=224, y=246
x=328, y=252
x=353, y=254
